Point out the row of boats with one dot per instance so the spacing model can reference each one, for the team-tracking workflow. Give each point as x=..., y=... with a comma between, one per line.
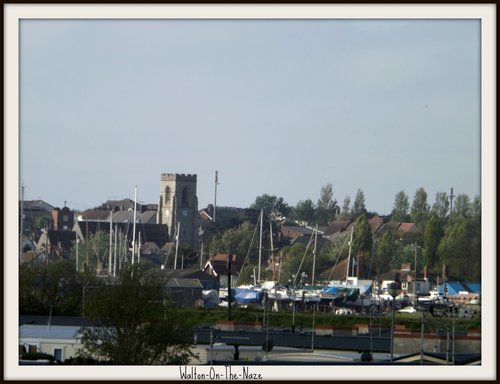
x=358, y=295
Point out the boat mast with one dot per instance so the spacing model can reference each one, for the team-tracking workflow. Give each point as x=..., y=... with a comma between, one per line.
x=349, y=256
x=177, y=243
x=272, y=249
x=114, y=258
x=110, y=244
x=139, y=249
x=260, y=245
x=135, y=217
x=314, y=253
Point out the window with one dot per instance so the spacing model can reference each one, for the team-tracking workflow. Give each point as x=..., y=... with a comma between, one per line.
x=184, y=196
x=167, y=194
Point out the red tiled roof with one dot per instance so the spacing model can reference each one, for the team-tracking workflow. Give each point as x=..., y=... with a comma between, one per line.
x=406, y=227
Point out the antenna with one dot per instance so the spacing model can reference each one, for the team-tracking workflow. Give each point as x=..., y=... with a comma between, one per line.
x=215, y=198
x=451, y=202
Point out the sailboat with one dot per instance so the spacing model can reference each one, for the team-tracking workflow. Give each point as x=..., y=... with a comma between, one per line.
x=349, y=289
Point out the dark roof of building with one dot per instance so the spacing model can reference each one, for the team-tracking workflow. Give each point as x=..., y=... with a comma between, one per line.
x=54, y=320
x=183, y=283
x=376, y=223
x=95, y=214
x=157, y=233
x=337, y=226
x=391, y=226
x=335, y=272
x=188, y=274
x=36, y=205
x=147, y=217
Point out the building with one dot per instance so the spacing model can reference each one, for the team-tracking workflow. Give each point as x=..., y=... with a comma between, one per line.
x=178, y=207
x=60, y=341
x=34, y=213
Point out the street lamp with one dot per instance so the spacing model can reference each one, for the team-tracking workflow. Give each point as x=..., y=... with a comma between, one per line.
x=394, y=290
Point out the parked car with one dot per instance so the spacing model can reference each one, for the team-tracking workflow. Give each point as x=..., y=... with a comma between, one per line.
x=343, y=311
x=408, y=309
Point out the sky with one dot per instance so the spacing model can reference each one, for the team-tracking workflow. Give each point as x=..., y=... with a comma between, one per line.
x=281, y=107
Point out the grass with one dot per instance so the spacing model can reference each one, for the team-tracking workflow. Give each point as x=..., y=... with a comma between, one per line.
x=412, y=321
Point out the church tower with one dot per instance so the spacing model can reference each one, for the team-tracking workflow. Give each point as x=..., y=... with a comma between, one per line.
x=178, y=207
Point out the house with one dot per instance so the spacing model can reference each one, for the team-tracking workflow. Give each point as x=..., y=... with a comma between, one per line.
x=60, y=341
x=207, y=281
x=184, y=292
x=217, y=266
x=410, y=283
x=33, y=211
x=337, y=226
x=294, y=234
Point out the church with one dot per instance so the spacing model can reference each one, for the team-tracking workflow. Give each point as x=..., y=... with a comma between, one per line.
x=178, y=207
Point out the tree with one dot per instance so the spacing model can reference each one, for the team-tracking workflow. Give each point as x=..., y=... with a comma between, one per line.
x=401, y=207
x=419, y=207
x=304, y=211
x=273, y=206
x=385, y=251
x=345, y=211
x=237, y=241
x=476, y=207
x=54, y=288
x=290, y=262
x=326, y=208
x=433, y=232
x=463, y=207
x=460, y=249
x=442, y=205
x=358, y=208
x=133, y=323
x=362, y=239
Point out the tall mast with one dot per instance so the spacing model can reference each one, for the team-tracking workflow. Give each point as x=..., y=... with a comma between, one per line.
x=201, y=256
x=260, y=245
x=314, y=253
x=139, y=249
x=110, y=270
x=215, y=198
x=177, y=243
x=272, y=248
x=76, y=246
x=135, y=218
x=349, y=256
x=116, y=241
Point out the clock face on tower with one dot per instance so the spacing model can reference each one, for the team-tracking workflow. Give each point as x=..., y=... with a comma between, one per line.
x=184, y=213
x=166, y=212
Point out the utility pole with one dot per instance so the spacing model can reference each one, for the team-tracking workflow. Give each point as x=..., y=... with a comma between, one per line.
x=215, y=197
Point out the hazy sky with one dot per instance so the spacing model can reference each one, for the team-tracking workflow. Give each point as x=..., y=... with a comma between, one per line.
x=276, y=106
